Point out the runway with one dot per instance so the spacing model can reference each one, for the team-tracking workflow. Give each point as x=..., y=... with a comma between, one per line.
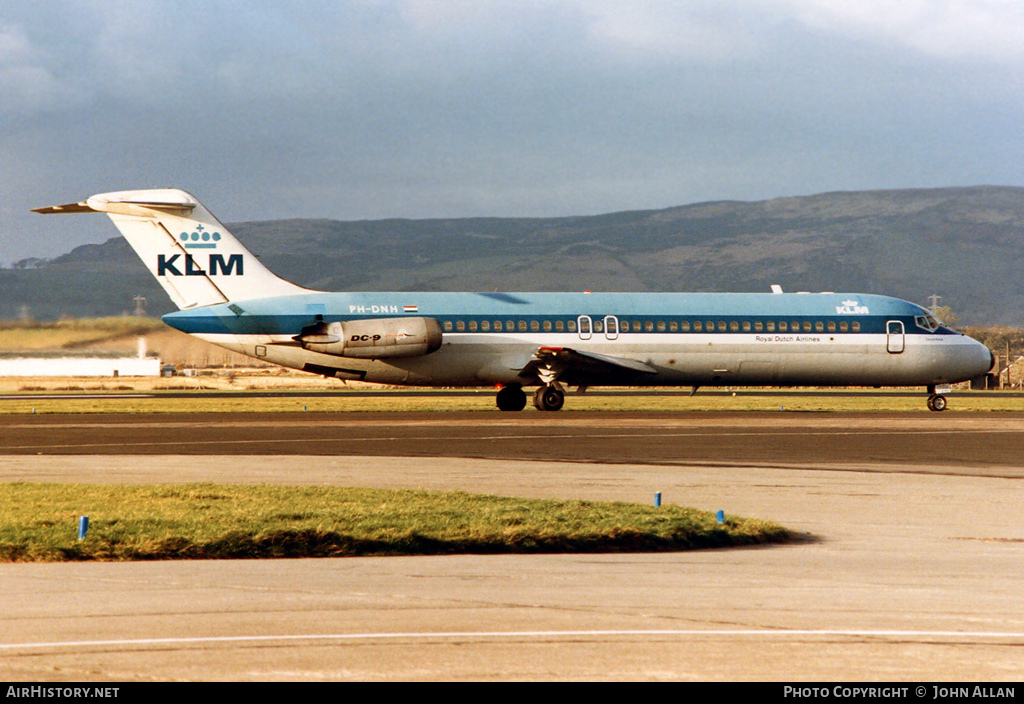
x=910, y=570
x=977, y=443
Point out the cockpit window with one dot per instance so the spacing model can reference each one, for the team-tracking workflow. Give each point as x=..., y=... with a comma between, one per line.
x=927, y=322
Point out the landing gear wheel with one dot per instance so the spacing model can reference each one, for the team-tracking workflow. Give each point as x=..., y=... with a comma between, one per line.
x=936, y=403
x=548, y=398
x=511, y=398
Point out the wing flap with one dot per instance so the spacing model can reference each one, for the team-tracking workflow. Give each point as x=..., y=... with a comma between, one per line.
x=556, y=361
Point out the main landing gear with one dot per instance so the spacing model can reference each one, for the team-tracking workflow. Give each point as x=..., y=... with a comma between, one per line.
x=546, y=398
x=511, y=398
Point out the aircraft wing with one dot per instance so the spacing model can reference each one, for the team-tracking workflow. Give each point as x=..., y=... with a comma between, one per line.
x=551, y=363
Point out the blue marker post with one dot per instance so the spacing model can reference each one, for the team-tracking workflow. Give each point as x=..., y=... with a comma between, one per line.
x=83, y=526
x=657, y=498
x=720, y=516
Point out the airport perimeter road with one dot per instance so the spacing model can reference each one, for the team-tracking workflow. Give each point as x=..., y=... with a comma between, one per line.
x=984, y=443
x=908, y=571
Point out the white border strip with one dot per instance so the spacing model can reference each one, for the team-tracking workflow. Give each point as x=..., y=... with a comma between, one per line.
x=770, y=633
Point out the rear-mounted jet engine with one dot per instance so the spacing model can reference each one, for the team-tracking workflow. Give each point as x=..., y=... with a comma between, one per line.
x=378, y=338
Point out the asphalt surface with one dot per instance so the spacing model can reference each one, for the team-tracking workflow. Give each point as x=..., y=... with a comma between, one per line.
x=909, y=570
x=987, y=444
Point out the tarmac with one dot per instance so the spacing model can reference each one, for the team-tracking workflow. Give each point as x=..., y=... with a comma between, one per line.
x=909, y=568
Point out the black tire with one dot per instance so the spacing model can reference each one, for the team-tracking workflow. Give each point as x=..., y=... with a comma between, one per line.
x=937, y=403
x=548, y=398
x=511, y=398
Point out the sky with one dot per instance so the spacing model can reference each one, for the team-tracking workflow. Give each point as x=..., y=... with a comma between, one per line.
x=514, y=108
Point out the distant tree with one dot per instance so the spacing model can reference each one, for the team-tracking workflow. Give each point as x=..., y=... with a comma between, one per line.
x=30, y=263
x=946, y=315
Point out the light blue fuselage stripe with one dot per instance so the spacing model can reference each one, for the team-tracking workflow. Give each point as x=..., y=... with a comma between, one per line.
x=289, y=314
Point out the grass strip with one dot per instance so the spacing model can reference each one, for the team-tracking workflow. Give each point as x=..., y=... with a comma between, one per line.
x=218, y=521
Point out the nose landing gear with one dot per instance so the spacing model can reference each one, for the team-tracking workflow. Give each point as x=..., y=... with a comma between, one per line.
x=937, y=401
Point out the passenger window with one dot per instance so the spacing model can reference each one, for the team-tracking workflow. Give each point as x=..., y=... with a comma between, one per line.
x=522, y=326
x=783, y=326
x=485, y=325
x=460, y=326
x=698, y=326
x=534, y=326
x=572, y=326
x=661, y=326
x=844, y=327
x=831, y=326
x=807, y=326
x=547, y=326
x=685, y=326
x=447, y=326
x=794, y=327
x=648, y=326
x=497, y=326
x=623, y=326
x=559, y=326
x=819, y=326
x=721, y=326
x=472, y=326
x=746, y=326
x=598, y=326
x=734, y=326
x=673, y=326
x=758, y=326
x=856, y=326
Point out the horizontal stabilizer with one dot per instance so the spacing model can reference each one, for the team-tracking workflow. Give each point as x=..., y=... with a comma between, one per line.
x=82, y=207
x=138, y=203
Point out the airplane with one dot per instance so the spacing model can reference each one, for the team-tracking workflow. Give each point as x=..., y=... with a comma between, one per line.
x=226, y=296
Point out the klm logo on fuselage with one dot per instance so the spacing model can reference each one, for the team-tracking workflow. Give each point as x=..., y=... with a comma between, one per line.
x=851, y=308
x=218, y=265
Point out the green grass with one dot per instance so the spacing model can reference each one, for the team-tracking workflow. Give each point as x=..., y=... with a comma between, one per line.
x=202, y=521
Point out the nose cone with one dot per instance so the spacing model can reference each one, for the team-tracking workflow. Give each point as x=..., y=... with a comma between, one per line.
x=976, y=359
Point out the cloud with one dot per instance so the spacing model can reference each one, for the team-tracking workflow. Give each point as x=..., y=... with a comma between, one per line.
x=988, y=30
x=671, y=31
x=499, y=107
x=27, y=83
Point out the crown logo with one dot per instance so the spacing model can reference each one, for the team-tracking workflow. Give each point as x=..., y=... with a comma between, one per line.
x=849, y=304
x=200, y=238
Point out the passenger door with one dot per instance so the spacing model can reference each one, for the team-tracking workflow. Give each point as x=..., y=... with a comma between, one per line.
x=894, y=337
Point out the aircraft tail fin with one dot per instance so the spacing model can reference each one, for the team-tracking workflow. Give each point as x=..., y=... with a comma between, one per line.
x=193, y=256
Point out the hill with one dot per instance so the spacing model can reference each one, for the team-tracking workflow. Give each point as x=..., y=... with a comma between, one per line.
x=962, y=244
